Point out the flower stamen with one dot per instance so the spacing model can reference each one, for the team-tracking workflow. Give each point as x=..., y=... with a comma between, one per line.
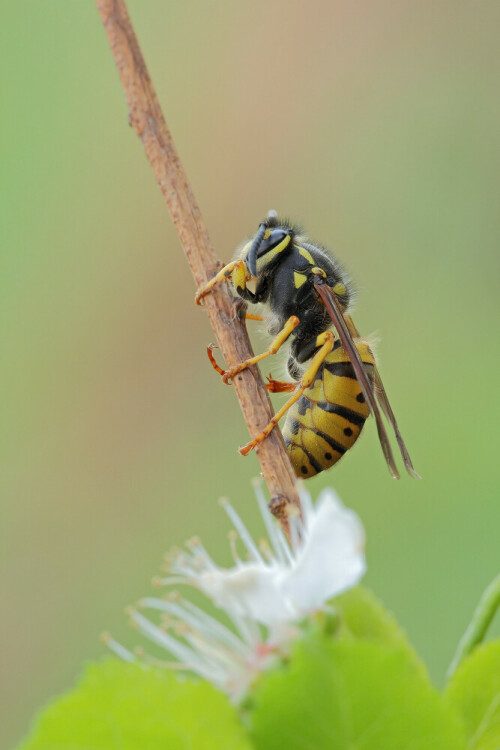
x=242, y=531
x=264, y=598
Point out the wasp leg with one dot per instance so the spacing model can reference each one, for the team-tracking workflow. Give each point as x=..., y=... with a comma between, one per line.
x=212, y=360
x=325, y=340
x=249, y=316
x=273, y=386
x=280, y=339
x=279, y=386
x=223, y=275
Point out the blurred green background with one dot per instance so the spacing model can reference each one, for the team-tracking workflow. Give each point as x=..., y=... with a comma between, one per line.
x=375, y=124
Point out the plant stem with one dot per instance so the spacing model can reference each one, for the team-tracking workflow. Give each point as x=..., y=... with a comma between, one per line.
x=481, y=619
x=223, y=310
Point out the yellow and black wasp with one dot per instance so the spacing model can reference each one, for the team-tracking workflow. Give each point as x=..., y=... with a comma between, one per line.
x=336, y=383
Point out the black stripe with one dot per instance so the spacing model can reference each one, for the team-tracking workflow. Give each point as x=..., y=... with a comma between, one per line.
x=312, y=460
x=346, y=370
x=343, y=411
x=340, y=369
x=303, y=404
x=294, y=426
x=304, y=351
x=332, y=443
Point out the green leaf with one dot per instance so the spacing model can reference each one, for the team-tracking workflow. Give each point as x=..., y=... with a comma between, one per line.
x=123, y=706
x=352, y=695
x=363, y=616
x=475, y=691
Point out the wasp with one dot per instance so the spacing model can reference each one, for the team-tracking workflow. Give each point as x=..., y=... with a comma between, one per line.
x=335, y=381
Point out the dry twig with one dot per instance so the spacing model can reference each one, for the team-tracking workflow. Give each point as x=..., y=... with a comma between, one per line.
x=148, y=122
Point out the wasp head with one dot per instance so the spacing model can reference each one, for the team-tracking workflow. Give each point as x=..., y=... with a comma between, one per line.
x=271, y=239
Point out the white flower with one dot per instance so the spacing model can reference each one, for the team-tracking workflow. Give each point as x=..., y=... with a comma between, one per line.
x=262, y=596
x=326, y=557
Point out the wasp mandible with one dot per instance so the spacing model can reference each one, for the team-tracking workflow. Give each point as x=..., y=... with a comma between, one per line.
x=335, y=380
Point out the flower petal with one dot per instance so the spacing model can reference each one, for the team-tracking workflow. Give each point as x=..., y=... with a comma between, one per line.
x=330, y=560
x=249, y=590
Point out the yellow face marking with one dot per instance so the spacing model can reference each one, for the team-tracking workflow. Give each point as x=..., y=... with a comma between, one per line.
x=262, y=262
x=299, y=279
x=240, y=277
x=307, y=255
x=339, y=289
x=267, y=234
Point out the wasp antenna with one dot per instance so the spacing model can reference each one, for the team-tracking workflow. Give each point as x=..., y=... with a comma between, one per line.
x=272, y=214
x=251, y=259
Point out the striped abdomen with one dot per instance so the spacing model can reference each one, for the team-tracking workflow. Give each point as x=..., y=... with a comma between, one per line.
x=327, y=419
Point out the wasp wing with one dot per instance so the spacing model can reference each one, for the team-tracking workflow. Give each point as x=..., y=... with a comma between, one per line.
x=386, y=408
x=346, y=339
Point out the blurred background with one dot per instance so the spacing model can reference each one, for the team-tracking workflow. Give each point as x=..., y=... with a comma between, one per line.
x=375, y=124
